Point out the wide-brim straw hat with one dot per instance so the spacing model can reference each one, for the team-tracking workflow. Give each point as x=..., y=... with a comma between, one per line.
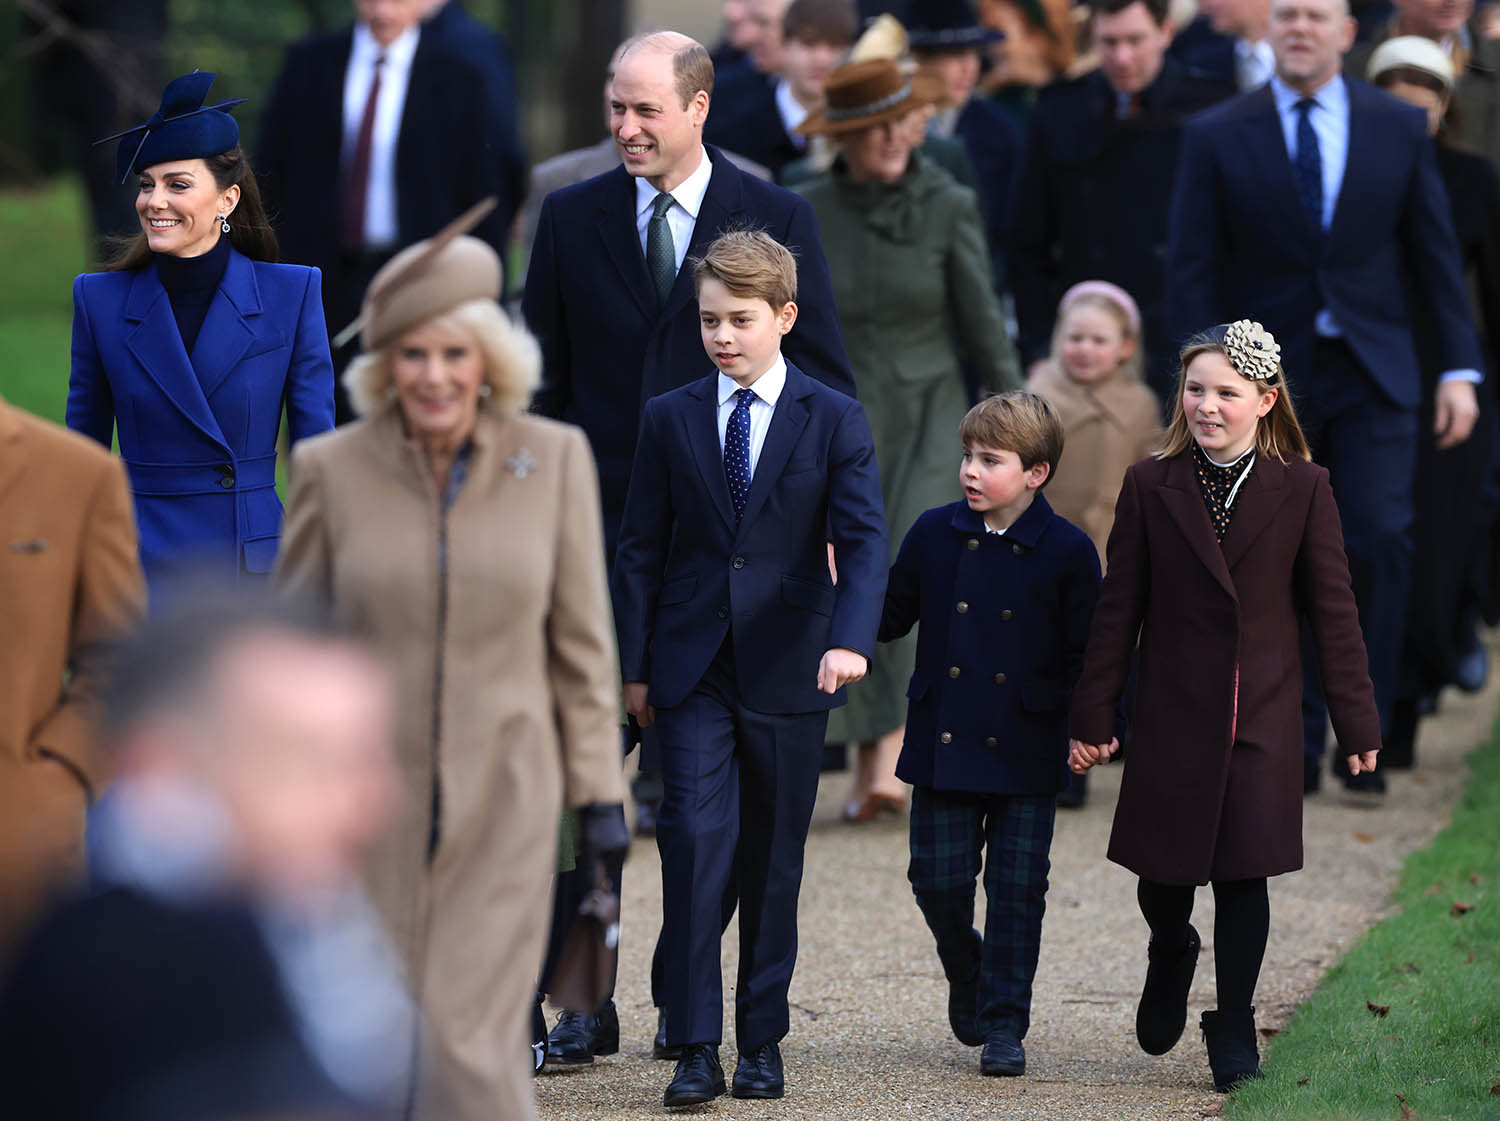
x=1411, y=52
x=863, y=94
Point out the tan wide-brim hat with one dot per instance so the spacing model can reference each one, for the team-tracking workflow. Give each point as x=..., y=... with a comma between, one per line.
x=1411, y=52
x=863, y=94
x=428, y=279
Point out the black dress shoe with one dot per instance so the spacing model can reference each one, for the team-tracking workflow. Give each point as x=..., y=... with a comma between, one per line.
x=1472, y=669
x=698, y=1079
x=963, y=1010
x=538, y=1037
x=1075, y=794
x=1003, y=1055
x=578, y=1036
x=1162, y=1012
x=759, y=1074
x=660, y=1048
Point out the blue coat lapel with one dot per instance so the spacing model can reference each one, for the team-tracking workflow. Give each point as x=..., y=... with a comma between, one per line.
x=226, y=333
x=721, y=202
x=787, y=423
x=622, y=241
x=156, y=344
x=1267, y=150
x=701, y=422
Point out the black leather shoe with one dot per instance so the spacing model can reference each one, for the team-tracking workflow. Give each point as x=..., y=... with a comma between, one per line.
x=1162, y=1012
x=538, y=1037
x=578, y=1037
x=1003, y=1055
x=1232, y=1054
x=660, y=1048
x=698, y=1079
x=759, y=1074
x=1075, y=794
x=963, y=1010
x=1472, y=669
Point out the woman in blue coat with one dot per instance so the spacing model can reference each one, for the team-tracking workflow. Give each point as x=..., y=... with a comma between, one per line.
x=191, y=345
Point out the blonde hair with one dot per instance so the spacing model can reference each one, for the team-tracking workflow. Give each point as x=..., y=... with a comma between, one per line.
x=1277, y=434
x=1019, y=422
x=512, y=359
x=1132, y=369
x=753, y=265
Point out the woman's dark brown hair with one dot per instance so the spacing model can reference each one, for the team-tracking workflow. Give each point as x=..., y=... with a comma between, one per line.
x=249, y=229
x=1452, y=125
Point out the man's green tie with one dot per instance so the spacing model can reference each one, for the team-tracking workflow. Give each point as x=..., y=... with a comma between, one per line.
x=661, y=254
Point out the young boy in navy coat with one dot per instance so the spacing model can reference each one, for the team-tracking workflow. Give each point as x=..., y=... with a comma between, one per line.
x=1004, y=590
x=735, y=642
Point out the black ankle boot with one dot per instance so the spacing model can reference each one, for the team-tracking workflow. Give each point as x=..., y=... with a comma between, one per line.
x=1232, y=1054
x=1162, y=1012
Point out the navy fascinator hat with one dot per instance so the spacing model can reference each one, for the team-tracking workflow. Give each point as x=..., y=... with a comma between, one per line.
x=182, y=128
x=946, y=25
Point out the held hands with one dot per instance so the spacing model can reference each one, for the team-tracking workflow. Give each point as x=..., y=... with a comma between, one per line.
x=1364, y=761
x=635, y=704
x=1082, y=756
x=1454, y=413
x=840, y=666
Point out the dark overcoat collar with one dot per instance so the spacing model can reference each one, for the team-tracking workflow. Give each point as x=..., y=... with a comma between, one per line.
x=1027, y=530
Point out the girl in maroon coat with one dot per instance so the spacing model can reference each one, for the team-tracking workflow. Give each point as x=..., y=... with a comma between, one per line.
x=1222, y=544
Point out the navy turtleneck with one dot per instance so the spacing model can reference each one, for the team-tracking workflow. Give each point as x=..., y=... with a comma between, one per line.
x=191, y=283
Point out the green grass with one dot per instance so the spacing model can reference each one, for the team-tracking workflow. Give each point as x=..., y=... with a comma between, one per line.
x=1435, y=966
x=46, y=245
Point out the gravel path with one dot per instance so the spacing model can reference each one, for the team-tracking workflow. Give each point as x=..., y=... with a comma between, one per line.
x=869, y=1034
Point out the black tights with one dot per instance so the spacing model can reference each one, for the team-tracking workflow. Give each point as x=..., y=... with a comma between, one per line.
x=1242, y=921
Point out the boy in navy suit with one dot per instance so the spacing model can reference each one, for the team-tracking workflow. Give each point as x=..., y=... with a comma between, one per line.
x=735, y=643
x=1004, y=592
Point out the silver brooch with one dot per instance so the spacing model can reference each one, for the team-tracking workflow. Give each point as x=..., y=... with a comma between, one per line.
x=522, y=463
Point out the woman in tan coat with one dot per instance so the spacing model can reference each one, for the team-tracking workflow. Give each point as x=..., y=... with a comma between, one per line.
x=462, y=537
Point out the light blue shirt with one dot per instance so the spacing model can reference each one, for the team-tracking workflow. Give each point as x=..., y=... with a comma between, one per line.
x=767, y=390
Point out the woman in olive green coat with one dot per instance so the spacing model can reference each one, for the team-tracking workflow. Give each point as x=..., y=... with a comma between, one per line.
x=911, y=273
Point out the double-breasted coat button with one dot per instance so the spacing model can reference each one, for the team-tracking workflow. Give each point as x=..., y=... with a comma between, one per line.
x=226, y=477
x=999, y=679
x=991, y=742
x=973, y=543
x=962, y=607
x=739, y=562
x=1017, y=550
x=723, y=613
x=946, y=737
x=953, y=671
x=1006, y=615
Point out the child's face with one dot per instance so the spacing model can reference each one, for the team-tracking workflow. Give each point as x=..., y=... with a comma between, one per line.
x=996, y=484
x=1222, y=408
x=742, y=334
x=1093, y=345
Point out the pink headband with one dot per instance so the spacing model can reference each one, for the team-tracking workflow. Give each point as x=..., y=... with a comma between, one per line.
x=1105, y=290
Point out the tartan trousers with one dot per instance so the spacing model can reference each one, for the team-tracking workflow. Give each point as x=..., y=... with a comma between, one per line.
x=951, y=833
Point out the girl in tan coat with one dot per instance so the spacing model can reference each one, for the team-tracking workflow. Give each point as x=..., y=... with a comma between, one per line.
x=462, y=537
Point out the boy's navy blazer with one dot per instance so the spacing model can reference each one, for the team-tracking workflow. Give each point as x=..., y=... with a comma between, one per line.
x=685, y=574
x=1004, y=622
x=609, y=346
x=198, y=434
x=1242, y=245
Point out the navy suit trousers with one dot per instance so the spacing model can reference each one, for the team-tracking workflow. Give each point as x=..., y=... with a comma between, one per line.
x=739, y=788
x=1369, y=446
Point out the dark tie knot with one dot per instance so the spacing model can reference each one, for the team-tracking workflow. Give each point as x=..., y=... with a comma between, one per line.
x=662, y=204
x=1306, y=106
x=743, y=398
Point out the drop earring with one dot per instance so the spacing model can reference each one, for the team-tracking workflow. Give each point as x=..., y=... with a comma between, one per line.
x=224, y=223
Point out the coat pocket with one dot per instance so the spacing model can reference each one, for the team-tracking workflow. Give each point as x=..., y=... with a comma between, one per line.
x=806, y=595
x=260, y=553
x=677, y=591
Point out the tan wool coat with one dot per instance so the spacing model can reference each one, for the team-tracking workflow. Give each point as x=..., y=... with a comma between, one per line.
x=70, y=580
x=1106, y=428
x=508, y=706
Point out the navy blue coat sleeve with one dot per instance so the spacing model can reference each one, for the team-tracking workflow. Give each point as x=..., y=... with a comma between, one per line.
x=1035, y=231
x=641, y=553
x=903, y=589
x=815, y=345
x=545, y=315
x=1195, y=239
x=91, y=404
x=857, y=527
x=309, y=385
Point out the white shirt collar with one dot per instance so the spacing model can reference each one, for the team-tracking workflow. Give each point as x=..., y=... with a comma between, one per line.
x=688, y=194
x=767, y=387
x=1332, y=95
x=792, y=113
x=365, y=50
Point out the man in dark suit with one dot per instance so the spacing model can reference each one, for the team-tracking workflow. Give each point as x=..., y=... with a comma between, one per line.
x=1315, y=206
x=375, y=137
x=1101, y=155
x=736, y=642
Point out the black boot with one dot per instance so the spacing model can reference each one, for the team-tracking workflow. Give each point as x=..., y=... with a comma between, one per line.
x=1162, y=1012
x=1232, y=1053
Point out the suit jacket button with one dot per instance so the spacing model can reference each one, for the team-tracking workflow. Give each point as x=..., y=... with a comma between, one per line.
x=226, y=477
x=973, y=543
x=1017, y=550
x=1005, y=615
x=999, y=679
x=946, y=737
x=962, y=607
x=723, y=613
x=992, y=742
x=953, y=671
x=739, y=562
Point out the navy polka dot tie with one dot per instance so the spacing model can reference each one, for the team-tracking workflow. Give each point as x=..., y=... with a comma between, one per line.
x=737, y=450
x=1309, y=164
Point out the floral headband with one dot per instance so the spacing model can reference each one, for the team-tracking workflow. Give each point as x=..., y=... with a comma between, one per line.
x=1253, y=351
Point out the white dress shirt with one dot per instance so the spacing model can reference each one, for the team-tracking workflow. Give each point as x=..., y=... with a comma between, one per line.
x=381, y=229
x=681, y=218
x=1254, y=64
x=767, y=390
x=792, y=113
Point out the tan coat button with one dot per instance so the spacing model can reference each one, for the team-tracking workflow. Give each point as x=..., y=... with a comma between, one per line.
x=1005, y=615
x=992, y=742
x=973, y=543
x=946, y=737
x=1016, y=549
x=999, y=679
x=953, y=671
x=962, y=607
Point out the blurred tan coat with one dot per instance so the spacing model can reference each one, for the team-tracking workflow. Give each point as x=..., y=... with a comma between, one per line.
x=508, y=705
x=70, y=579
x=1106, y=427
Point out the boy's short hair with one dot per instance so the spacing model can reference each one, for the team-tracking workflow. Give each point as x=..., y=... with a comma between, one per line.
x=752, y=265
x=1017, y=422
x=1159, y=10
x=821, y=21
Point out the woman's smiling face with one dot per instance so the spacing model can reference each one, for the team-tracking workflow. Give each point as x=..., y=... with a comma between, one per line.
x=181, y=207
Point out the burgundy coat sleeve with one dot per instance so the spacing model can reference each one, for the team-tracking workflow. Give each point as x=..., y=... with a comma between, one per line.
x=1322, y=575
x=1117, y=620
